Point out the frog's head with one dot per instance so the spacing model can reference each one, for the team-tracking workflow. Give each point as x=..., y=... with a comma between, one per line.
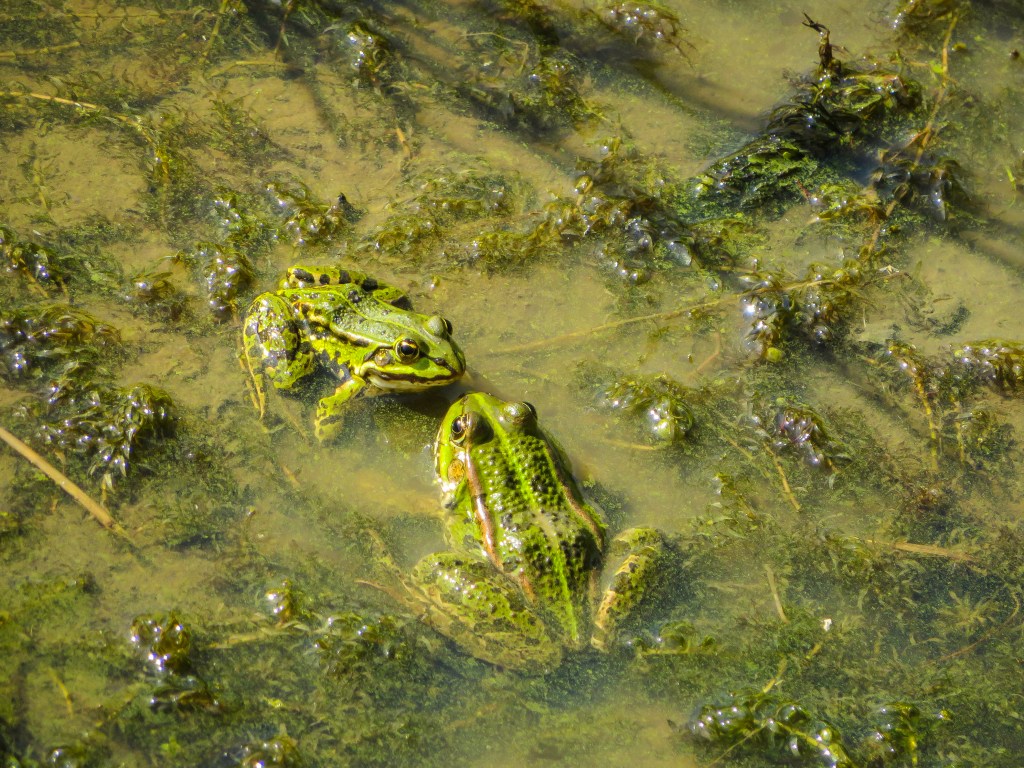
x=422, y=355
x=472, y=421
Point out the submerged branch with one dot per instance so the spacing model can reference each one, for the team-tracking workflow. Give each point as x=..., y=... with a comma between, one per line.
x=93, y=508
x=565, y=338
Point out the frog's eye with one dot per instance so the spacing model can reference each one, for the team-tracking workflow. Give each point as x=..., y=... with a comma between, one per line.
x=439, y=326
x=519, y=413
x=465, y=425
x=407, y=350
x=460, y=428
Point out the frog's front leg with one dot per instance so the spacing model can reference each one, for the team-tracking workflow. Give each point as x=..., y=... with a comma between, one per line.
x=273, y=343
x=330, y=411
x=469, y=601
x=644, y=560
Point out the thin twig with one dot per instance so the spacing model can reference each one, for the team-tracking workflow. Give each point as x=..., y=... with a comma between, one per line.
x=786, y=490
x=93, y=508
x=565, y=338
x=775, y=593
x=68, y=704
x=39, y=51
x=224, y=6
x=931, y=550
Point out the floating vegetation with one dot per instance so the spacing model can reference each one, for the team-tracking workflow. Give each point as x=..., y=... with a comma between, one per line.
x=643, y=23
x=770, y=724
x=308, y=221
x=106, y=425
x=838, y=476
x=657, y=404
x=798, y=428
x=36, y=340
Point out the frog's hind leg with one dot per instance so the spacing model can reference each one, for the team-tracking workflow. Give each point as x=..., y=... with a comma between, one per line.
x=474, y=605
x=301, y=276
x=643, y=566
x=273, y=343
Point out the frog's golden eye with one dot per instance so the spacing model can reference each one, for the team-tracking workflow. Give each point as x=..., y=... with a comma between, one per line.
x=407, y=350
x=463, y=426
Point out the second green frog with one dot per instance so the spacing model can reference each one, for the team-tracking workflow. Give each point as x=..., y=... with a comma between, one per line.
x=353, y=326
x=521, y=583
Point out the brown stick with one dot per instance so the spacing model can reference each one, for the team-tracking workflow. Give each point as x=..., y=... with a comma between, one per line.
x=37, y=461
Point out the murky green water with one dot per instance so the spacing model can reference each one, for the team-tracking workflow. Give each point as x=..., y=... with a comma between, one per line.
x=844, y=511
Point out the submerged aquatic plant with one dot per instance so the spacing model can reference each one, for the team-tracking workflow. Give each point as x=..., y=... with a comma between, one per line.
x=307, y=220
x=525, y=86
x=644, y=22
x=109, y=426
x=656, y=403
x=756, y=720
x=36, y=262
x=814, y=309
x=36, y=340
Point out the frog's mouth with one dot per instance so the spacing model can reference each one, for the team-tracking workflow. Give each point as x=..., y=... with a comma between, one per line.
x=412, y=380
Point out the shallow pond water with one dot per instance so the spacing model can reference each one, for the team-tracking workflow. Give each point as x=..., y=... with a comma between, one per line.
x=580, y=189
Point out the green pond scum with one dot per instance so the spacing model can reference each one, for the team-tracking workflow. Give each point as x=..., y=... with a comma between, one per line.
x=756, y=264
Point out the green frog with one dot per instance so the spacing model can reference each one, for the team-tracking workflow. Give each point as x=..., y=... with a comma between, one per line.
x=359, y=329
x=521, y=584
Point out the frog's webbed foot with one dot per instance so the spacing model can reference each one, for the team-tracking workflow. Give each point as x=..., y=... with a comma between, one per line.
x=478, y=608
x=643, y=566
x=330, y=411
x=406, y=594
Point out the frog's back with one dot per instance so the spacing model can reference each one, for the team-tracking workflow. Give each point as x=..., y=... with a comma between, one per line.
x=544, y=535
